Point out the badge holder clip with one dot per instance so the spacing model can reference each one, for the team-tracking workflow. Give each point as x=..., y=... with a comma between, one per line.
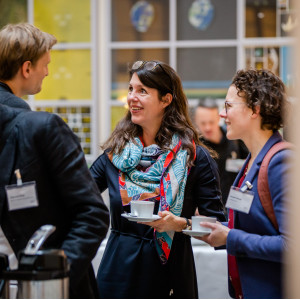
x=19, y=178
x=247, y=185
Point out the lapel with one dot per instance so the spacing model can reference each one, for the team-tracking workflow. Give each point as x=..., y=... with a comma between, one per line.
x=275, y=138
x=7, y=162
x=253, y=173
x=8, y=153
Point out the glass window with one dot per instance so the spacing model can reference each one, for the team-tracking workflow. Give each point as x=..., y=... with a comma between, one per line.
x=13, y=11
x=260, y=18
x=206, y=71
x=140, y=20
x=287, y=71
x=68, y=20
x=121, y=60
x=69, y=76
x=276, y=59
x=288, y=17
x=263, y=58
x=78, y=119
x=206, y=19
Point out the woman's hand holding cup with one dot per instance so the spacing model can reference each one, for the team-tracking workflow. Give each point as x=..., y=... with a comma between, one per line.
x=168, y=222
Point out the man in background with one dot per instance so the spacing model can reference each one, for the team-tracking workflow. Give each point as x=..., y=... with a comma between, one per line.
x=47, y=158
x=230, y=153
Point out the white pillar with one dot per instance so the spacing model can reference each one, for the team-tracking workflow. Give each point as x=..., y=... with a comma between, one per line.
x=292, y=257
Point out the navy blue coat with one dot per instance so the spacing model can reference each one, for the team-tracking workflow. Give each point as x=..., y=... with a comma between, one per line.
x=46, y=151
x=130, y=267
x=257, y=245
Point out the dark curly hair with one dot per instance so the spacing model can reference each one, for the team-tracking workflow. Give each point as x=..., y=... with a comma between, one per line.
x=175, y=120
x=263, y=88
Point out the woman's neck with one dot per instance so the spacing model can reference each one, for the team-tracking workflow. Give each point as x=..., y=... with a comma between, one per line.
x=148, y=138
x=256, y=143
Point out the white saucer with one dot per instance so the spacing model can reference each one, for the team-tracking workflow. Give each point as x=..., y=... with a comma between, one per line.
x=195, y=232
x=140, y=219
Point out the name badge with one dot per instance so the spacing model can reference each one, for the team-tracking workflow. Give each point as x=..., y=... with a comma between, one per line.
x=238, y=200
x=234, y=165
x=21, y=196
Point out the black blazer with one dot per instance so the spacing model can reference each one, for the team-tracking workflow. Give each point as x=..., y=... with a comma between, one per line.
x=46, y=151
x=130, y=266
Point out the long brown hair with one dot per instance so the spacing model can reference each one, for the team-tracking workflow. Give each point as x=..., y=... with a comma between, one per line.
x=175, y=120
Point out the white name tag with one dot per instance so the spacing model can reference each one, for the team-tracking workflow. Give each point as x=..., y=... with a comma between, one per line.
x=21, y=196
x=234, y=165
x=240, y=201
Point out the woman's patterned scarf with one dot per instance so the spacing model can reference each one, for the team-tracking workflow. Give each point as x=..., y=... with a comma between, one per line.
x=151, y=174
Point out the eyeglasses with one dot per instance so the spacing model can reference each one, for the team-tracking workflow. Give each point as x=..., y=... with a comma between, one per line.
x=148, y=65
x=227, y=104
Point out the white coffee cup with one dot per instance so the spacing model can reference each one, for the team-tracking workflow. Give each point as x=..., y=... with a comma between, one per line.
x=196, y=223
x=142, y=209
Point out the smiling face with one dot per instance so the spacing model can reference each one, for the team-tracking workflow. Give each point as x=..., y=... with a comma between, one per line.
x=238, y=116
x=146, y=108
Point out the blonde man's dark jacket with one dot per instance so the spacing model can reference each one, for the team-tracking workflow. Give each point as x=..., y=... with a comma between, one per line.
x=46, y=151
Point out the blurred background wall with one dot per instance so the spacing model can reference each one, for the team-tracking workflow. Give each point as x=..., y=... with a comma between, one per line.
x=206, y=41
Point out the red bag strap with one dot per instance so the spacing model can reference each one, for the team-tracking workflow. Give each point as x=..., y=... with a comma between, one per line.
x=263, y=184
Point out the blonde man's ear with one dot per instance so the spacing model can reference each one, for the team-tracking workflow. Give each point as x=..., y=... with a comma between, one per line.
x=25, y=68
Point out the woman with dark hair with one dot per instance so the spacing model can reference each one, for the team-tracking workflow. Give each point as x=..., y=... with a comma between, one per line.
x=253, y=112
x=154, y=154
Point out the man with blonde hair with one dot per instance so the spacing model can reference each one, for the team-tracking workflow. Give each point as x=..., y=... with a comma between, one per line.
x=49, y=161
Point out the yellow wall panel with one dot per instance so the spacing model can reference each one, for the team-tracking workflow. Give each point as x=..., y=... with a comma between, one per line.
x=69, y=76
x=68, y=20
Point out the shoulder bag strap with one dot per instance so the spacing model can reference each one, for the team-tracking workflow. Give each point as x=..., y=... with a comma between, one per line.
x=263, y=184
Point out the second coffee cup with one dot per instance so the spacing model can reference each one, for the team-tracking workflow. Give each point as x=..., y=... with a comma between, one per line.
x=196, y=223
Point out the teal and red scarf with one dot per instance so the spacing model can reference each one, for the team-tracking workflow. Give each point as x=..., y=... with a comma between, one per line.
x=149, y=174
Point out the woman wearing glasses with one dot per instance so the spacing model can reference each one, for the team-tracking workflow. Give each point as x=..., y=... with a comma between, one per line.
x=254, y=113
x=154, y=155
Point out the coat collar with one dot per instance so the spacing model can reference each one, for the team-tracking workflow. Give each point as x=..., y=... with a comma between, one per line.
x=8, y=98
x=5, y=87
x=274, y=139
